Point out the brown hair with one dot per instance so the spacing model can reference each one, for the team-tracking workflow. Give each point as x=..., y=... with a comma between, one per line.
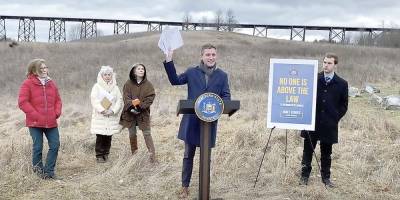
x=334, y=56
x=34, y=66
x=132, y=75
x=207, y=46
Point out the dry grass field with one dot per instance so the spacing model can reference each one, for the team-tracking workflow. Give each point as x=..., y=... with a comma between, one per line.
x=365, y=163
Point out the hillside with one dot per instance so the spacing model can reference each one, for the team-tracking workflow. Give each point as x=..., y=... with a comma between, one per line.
x=365, y=163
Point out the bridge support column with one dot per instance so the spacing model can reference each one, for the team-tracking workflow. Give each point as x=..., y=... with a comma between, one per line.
x=121, y=28
x=26, y=30
x=337, y=35
x=3, y=35
x=57, y=31
x=154, y=27
x=299, y=33
x=88, y=29
x=260, y=31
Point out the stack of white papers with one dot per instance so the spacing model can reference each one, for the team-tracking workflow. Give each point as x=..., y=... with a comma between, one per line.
x=170, y=39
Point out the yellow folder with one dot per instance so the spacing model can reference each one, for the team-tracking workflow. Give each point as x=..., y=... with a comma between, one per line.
x=105, y=103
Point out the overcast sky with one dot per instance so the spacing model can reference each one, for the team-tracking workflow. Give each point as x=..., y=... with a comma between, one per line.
x=363, y=13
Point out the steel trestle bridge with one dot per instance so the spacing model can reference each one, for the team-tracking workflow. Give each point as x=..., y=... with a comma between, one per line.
x=88, y=28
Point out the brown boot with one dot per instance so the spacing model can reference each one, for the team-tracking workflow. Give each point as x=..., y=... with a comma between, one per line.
x=150, y=146
x=133, y=141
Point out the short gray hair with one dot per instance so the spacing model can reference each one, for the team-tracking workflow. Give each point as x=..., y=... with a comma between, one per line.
x=106, y=69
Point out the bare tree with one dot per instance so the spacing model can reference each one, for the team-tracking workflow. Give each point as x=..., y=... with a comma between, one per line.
x=187, y=19
x=203, y=21
x=218, y=19
x=364, y=39
x=230, y=20
x=346, y=40
x=99, y=32
x=74, y=33
x=390, y=38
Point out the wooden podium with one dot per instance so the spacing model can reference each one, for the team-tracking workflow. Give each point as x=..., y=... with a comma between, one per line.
x=188, y=107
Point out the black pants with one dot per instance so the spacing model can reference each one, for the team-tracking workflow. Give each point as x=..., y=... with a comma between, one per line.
x=326, y=151
x=103, y=145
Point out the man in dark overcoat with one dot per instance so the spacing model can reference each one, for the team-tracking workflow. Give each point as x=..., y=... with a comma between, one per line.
x=205, y=77
x=332, y=101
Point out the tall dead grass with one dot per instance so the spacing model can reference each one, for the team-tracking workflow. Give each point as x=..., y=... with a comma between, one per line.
x=365, y=163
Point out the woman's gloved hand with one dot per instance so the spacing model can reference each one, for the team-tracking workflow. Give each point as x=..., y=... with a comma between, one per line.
x=108, y=113
x=135, y=110
x=135, y=102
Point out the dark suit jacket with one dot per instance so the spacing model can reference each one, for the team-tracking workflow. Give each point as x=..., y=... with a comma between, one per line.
x=332, y=101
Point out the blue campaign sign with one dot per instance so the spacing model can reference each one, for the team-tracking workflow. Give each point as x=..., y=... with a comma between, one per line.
x=292, y=94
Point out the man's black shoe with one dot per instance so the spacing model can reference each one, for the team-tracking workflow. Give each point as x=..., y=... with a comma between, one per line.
x=328, y=183
x=303, y=181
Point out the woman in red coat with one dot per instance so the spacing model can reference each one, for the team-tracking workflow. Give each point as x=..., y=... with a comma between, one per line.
x=40, y=101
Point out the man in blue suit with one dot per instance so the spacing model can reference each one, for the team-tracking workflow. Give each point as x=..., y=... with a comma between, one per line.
x=332, y=100
x=205, y=77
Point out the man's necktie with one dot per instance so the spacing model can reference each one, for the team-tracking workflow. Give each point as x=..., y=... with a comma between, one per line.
x=327, y=79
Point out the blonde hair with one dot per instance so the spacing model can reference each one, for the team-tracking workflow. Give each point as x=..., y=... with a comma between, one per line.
x=34, y=66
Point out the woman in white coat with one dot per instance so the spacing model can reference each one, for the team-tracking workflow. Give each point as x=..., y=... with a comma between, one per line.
x=107, y=103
